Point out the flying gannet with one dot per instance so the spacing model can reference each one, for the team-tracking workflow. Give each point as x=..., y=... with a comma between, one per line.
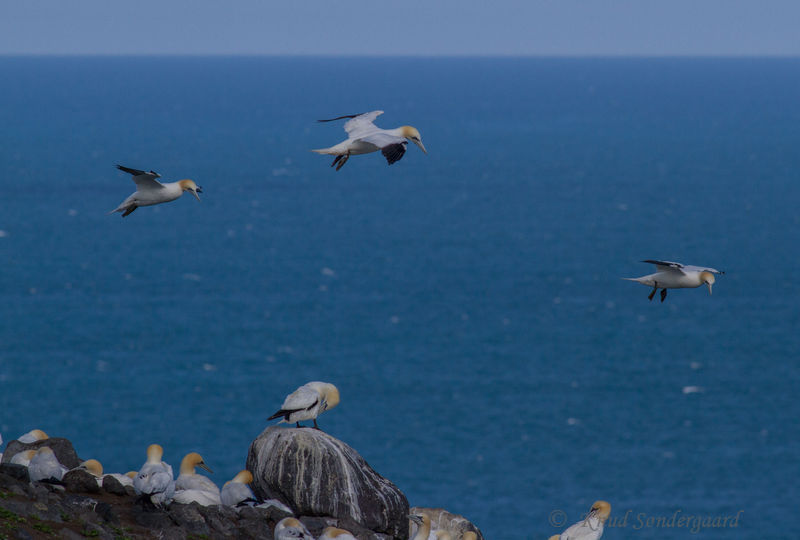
x=332, y=533
x=237, y=492
x=44, y=465
x=365, y=137
x=308, y=402
x=155, y=477
x=673, y=275
x=32, y=436
x=150, y=191
x=590, y=528
x=291, y=529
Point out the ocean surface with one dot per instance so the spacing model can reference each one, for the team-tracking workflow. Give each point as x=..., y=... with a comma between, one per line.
x=467, y=303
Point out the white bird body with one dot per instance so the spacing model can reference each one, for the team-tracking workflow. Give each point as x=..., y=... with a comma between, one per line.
x=590, y=528
x=332, y=533
x=150, y=191
x=365, y=137
x=308, y=402
x=44, y=465
x=200, y=496
x=237, y=492
x=673, y=275
x=291, y=529
x=123, y=479
x=32, y=436
x=155, y=477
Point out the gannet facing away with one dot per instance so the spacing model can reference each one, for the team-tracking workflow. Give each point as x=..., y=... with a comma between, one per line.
x=332, y=533
x=591, y=528
x=45, y=466
x=155, y=477
x=291, y=529
x=365, y=137
x=673, y=275
x=237, y=492
x=308, y=402
x=150, y=191
x=23, y=458
x=32, y=436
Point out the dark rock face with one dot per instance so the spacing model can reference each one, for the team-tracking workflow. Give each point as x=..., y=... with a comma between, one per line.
x=318, y=475
x=80, y=481
x=442, y=519
x=62, y=448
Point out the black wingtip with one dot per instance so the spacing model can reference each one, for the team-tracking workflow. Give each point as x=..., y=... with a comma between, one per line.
x=340, y=117
x=278, y=415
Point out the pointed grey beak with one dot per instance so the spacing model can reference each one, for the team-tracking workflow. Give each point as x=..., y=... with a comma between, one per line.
x=206, y=467
x=195, y=193
x=709, y=287
x=418, y=142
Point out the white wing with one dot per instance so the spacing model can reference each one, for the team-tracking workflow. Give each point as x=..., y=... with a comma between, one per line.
x=144, y=180
x=362, y=124
x=666, y=266
x=302, y=398
x=381, y=139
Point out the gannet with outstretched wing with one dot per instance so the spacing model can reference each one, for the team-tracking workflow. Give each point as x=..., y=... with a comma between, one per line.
x=673, y=275
x=150, y=191
x=365, y=137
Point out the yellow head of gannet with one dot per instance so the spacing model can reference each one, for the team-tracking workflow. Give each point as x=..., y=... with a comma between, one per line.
x=131, y=474
x=707, y=278
x=331, y=394
x=23, y=458
x=191, y=187
x=243, y=477
x=470, y=535
x=423, y=522
x=601, y=510
x=412, y=134
x=192, y=460
x=555, y=537
x=328, y=533
x=154, y=453
x=443, y=535
x=94, y=467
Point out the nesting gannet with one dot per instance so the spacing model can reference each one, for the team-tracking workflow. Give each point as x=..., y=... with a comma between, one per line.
x=591, y=528
x=365, y=137
x=95, y=468
x=23, y=458
x=124, y=479
x=672, y=275
x=423, y=522
x=237, y=492
x=44, y=465
x=189, y=479
x=332, y=533
x=469, y=535
x=155, y=477
x=308, y=402
x=291, y=529
x=32, y=436
x=150, y=191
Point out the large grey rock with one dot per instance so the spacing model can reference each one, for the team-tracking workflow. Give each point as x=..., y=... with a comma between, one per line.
x=80, y=481
x=318, y=475
x=453, y=523
x=62, y=448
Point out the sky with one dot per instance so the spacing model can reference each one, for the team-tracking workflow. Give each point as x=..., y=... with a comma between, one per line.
x=402, y=27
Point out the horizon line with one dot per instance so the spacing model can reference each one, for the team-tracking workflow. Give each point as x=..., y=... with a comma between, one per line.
x=405, y=56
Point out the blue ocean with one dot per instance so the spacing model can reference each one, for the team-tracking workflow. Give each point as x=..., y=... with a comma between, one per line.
x=467, y=303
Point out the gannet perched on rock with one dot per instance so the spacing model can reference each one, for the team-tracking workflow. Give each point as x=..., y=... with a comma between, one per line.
x=237, y=492
x=189, y=479
x=673, y=275
x=332, y=533
x=365, y=137
x=23, y=458
x=44, y=465
x=291, y=529
x=308, y=402
x=155, y=477
x=150, y=191
x=591, y=528
x=32, y=436
x=95, y=468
